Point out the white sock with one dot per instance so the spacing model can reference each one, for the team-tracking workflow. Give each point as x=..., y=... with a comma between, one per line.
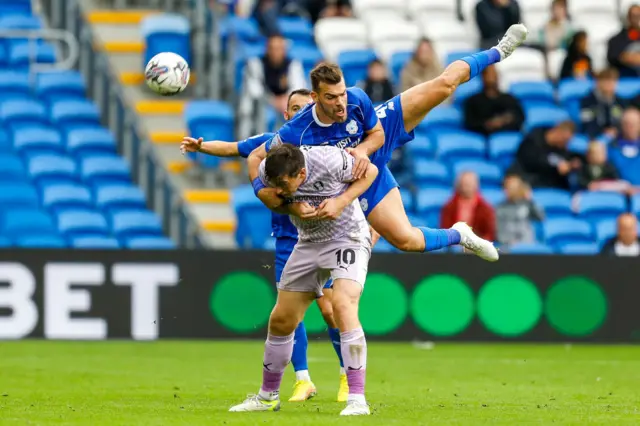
x=358, y=397
x=268, y=396
x=303, y=375
x=342, y=372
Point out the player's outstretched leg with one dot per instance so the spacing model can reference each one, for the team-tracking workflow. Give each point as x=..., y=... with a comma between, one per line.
x=419, y=100
x=285, y=317
x=304, y=388
x=326, y=309
x=346, y=296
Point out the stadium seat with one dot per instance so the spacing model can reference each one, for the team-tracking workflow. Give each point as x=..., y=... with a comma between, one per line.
x=533, y=91
x=12, y=169
x=23, y=222
x=71, y=114
x=555, y=60
x=525, y=64
x=578, y=144
x=579, y=249
x=17, y=195
x=596, y=206
x=20, y=22
x=354, y=64
x=20, y=54
x=5, y=242
x=572, y=90
x=493, y=196
x=375, y=9
x=308, y=56
x=94, y=141
x=15, y=86
x=447, y=36
x=212, y=120
x=530, y=248
x=456, y=55
x=628, y=88
x=240, y=29
x=65, y=197
x=555, y=202
x=544, y=117
x=503, y=147
x=23, y=113
x=15, y=7
x=296, y=29
x=430, y=173
x=76, y=223
x=635, y=204
x=420, y=147
x=131, y=224
x=407, y=199
x=383, y=246
x=269, y=244
x=429, y=203
x=166, y=33
x=150, y=243
x=444, y=117
x=58, y=85
x=49, y=169
x=241, y=54
x=488, y=173
x=566, y=230
x=37, y=140
x=42, y=242
x=605, y=230
x=461, y=145
x=96, y=242
x=396, y=63
x=109, y=170
x=387, y=37
x=120, y=197
x=6, y=145
x=466, y=90
x=254, y=219
x=335, y=35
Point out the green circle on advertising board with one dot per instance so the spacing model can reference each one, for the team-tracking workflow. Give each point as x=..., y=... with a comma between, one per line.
x=242, y=301
x=313, y=321
x=384, y=305
x=576, y=306
x=509, y=305
x=442, y=305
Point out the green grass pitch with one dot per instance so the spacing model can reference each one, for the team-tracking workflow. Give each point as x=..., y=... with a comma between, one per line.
x=194, y=383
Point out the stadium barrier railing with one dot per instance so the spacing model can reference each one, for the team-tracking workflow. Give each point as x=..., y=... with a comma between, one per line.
x=167, y=294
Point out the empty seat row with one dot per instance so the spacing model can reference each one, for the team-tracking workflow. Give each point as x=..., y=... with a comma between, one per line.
x=93, y=242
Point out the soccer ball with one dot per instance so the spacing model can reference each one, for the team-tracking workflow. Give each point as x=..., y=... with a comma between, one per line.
x=167, y=74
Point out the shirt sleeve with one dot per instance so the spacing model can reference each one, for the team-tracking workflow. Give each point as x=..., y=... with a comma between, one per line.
x=246, y=146
x=339, y=164
x=368, y=111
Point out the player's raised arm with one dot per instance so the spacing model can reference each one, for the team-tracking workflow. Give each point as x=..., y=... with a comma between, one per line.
x=374, y=138
x=215, y=148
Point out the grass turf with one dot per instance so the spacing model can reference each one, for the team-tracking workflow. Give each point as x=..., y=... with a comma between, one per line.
x=194, y=383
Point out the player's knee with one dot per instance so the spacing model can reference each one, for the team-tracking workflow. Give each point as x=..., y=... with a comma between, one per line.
x=403, y=241
x=326, y=309
x=282, y=324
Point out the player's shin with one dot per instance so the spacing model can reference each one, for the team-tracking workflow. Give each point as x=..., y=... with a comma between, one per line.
x=435, y=239
x=277, y=354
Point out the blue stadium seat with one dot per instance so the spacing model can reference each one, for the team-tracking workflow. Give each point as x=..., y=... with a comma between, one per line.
x=242, y=29
x=20, y=54
x=75, y=223
x=635, y=204
x=241, y=54
x=269, y=244
x=456, y=55
x=567, y=230
x=210, y=119
x=407, y=199
x=573, y=90
x=50, y=169
x=42, y=242
x=6, y=144
x=166, y=33
x=15, y=7
x=493, y=196
x=354, y=64
x=296, y=29
x=383, y=246
x=579, y=249
x=70, y=114
x=14, y=195
x=544, y=117
x=431, y=173
x=5, y=242
x=596, y=206
x=109, y=170
x=253, y=218
x=396, y=63
x=120, y=197
x=308, y=56
x=536, y=91
x=628, y=88
x=64, y=197
x=530, y=248
x=96, y=242
x=23, y=113
x=22, y=222
x=4, y=56
x=420, y=147
x=441, y=118
x=20, y=22
x=15, y=86
x=555, y=202
x=579, y=144
x=150, y=243
x=606, y=229
x=503, y=147
x=461, y=145
x=12, y=169
x=90, y=142
x=58, y=85
x=466, y=90
x=37, y=140
x=489, y=173
x=430, y=202
x=129, y=224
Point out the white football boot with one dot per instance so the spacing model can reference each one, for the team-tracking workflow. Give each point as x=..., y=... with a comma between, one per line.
x=255, y=403
x=514, y=37
x=356, y=408
x=479, y=246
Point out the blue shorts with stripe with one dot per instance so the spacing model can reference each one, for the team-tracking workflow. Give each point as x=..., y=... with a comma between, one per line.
x=284, y=248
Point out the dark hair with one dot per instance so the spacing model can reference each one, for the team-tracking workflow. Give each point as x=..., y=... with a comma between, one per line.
x=572, y=51
x=566, y=125
x=325, y=72
x=302, y=92
x=607, y=74
x=420, y=42
x=375, y=61
x=284, y=160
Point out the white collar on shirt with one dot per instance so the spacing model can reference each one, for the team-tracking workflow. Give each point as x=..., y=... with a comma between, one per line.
x=624, y=250
x=316, y=119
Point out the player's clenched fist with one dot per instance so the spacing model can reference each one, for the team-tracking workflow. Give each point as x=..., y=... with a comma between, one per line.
x=190, y=145
x=331, y=208
x=303, y=210
x=361, y=164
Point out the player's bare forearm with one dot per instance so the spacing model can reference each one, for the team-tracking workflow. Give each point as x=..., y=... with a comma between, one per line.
x=358, y=187
x=220, y=148
x=373, y=141
x=254, y=160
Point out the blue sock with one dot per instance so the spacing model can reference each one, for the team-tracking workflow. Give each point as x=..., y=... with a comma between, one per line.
x=435, y=239
x=481, y=60
x=334, y=335
x=299, y=355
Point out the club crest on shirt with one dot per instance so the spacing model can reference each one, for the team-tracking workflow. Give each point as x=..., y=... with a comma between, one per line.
x=352, y=127
x=364, y=204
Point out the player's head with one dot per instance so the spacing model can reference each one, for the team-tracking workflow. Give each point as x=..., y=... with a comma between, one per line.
x=329, y=91
x=285, y=169
x=298, y=99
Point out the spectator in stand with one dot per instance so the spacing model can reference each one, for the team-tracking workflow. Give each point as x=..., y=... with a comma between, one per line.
x=423, y=66
x=491, y=110
x=624, y=48
x=543, y=159
x=377, y=84
x=275, y=72
x=626, y=242
x=329, y=9
x=556, y=33
x=577, y=64
x=601, y=110
x=493, y=18
x=598, y=174
x=467, y=205
x=516, y=213
x=624, y=153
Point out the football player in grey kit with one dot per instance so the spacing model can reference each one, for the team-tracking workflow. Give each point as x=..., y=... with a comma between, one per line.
x=334, y=241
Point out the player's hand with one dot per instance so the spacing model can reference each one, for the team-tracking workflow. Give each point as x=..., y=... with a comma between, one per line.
x=190, y=145
x=270, y=198
x=303, y=210
x=331, y=209
x=362, y=163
